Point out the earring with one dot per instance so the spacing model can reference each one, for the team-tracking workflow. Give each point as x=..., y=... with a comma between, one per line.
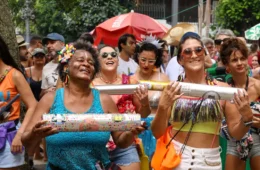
x=227, y=71
x=66, y=71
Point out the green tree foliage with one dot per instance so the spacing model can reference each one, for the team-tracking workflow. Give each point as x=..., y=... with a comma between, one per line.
x=238, y=15
x=88, y=14
x=68, y=17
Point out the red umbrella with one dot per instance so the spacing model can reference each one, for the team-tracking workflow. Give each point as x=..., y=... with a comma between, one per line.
x=133, y=23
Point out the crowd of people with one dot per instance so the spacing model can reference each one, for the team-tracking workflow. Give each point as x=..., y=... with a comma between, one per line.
x=181, y=132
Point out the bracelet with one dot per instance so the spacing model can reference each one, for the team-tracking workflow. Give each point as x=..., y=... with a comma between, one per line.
x=247, y=124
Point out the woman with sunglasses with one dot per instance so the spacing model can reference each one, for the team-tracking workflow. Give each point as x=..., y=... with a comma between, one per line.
x=234, y=55
x=34, y=78
x=34, y=73
x=76, y=150
x=150, y=59
x=221, y=36
x=195, y=122
x=127, y=158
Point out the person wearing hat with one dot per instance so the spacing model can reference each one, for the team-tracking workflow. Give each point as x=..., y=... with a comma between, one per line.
x=23, y=51
x=54, y=42
x=34, y=78
x=34, y=73
x=35, y=42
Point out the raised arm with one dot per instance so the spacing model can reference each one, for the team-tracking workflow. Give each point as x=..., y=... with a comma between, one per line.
x=238, y=114
x=208, y=62
x=160, y=122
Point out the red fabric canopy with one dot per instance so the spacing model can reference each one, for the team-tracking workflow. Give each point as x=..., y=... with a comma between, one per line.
x=133, y=23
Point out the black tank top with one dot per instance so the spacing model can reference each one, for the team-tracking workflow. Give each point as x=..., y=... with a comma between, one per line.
x=35, y=86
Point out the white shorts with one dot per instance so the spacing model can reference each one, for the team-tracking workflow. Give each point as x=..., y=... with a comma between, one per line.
x=198, y=158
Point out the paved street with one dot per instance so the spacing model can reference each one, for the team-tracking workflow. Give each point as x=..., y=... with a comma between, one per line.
x=39, y=165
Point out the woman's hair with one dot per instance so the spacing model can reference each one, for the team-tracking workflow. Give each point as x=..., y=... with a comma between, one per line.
x=5, y=55
x=226, y=32
x=87, y=37
x=81, y=45
x=100, y=47
x=231, y=45
x=186, y=36
x=207, y=41
x=150, y=47
x=253, y=48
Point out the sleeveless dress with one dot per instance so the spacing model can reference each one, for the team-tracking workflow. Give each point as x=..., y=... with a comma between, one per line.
x=35, y=86
x=77, y=150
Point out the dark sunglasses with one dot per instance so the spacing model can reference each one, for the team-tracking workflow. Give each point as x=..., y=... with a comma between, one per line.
x=219, y=41
x=198, y=51
x=39, y=55
x=112, y=54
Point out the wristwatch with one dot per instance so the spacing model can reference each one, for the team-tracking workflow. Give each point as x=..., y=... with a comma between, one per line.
x=248, y=124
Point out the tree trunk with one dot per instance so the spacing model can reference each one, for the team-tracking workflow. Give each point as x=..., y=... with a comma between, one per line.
x=7, y=30
x=207, y=16
x=200, y=17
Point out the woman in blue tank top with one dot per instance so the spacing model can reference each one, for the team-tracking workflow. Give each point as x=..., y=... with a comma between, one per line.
x=76, y=150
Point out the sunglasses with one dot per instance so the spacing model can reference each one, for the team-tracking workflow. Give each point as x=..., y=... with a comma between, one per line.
x=39, y=55
x=219, y=41
x=198, y=51
x=144, y=60
x=112, y=54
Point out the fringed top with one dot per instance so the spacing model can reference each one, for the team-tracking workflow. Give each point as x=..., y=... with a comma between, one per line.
x=204, y=113
x=207, y=118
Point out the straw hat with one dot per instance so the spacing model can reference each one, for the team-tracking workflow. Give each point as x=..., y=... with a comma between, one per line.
x=20, y=41
x=174, y=34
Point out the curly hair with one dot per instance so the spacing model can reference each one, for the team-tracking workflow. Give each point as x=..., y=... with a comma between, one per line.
x=229, y=46
x=81, y=45
x=157, y=52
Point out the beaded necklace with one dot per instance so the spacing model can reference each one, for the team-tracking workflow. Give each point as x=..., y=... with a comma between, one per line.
x=4, y=74
x=107, y=82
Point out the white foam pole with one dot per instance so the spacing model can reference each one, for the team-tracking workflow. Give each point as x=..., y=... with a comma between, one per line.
x=189, y=89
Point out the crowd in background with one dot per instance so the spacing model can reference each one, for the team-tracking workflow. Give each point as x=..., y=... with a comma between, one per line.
x=66, y=85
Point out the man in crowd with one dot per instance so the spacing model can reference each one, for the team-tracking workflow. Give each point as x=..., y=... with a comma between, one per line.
x=23, y=52
x=54, y=42
x=126, y=46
